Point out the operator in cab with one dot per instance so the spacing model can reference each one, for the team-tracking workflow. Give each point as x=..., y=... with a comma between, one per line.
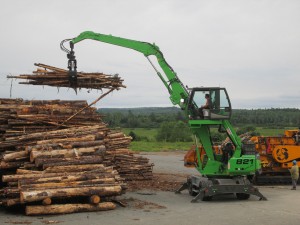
x=207, y=105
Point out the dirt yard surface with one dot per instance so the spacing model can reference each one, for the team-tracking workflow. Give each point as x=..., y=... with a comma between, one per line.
x=154, y=202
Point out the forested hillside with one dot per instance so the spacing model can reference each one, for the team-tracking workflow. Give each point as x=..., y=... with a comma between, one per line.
x=267, y=117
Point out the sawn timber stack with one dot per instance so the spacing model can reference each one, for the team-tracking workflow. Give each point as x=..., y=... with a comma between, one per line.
x=44, y=160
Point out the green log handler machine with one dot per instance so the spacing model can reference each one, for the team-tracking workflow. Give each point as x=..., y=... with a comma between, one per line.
x=218, y=174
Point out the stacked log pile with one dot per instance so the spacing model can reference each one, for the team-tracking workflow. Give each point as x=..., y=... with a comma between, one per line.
x=61, y=182
x=43, y=158
x=133, y=168
x=57, y=77
x=19, y=117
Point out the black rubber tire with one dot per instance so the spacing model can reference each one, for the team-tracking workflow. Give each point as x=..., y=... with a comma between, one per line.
x=242, y=196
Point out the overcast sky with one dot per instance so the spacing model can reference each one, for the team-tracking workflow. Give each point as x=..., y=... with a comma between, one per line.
x=250, y=47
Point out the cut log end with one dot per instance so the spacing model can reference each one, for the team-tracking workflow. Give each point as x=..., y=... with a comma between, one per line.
x=47, y=201
x=94, y=199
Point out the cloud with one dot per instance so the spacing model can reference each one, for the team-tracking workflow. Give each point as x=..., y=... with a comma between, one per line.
x=249, y=47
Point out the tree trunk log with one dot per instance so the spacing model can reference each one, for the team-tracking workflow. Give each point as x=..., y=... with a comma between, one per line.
x=105, y=177
x=11, y=202
x=16, y=177
x=10, y=165
x=70, y=139
x=14, y=156
x=47, y=201
x=65, y=153
x=55, y=185
x=47, y=162
x=32, y=196
x=77, y=168
x=68, y=208
x=94, y=199
x=22, y=171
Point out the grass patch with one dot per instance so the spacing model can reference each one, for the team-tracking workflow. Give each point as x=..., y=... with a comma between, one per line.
x=151, y=145
x=272, y=131
x=150, y=133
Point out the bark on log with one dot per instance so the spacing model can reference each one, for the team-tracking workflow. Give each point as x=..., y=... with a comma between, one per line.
x=32, y=138
x=11, y=202
x=22, y=171
x=48, y=162
x=14, y=156
x=77, y=168
x=16, y=177
x=62, y=132
x=84, y=144
x=56, y=146
x=50, y=146
x=12, y=191
x=52, y=76
x=105, y=177
x=32, y=196
x=68, y=208
x=66, y=153
x=116, y=135
x=119, y=151
x=32, y=128
x=64, y=140
x=55, y=185
x=10, y=165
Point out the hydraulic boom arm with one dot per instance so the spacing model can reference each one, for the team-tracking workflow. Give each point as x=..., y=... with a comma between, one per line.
x=175, y=87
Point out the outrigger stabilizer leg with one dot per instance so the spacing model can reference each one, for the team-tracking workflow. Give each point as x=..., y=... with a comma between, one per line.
x=205, y=188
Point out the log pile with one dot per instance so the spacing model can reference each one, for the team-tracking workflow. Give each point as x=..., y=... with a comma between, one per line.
x=19, y=117
x=44, y=159
x=133, y=168
x=94, y=182
x=57, y=77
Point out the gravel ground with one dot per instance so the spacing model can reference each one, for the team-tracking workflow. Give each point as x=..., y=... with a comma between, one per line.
x=150, y=205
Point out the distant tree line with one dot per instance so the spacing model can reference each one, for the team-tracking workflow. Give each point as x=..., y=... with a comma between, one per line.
x=271, y=118
x=132, y=120
x=172, y=124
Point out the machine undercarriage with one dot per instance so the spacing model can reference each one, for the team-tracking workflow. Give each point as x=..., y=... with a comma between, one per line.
x=204, y=189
